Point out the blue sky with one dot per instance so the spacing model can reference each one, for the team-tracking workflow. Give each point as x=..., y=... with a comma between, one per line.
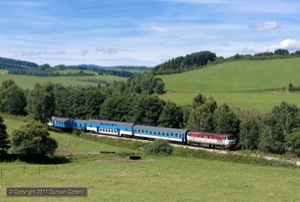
x=143, y=32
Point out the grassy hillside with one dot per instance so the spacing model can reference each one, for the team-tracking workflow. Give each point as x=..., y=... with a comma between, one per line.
x=30, y=81
x=246, y=84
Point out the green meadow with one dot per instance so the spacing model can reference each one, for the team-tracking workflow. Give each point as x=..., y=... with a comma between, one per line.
x=74, y=71
x=29, y=81
x=246, y=84
x=111, y=177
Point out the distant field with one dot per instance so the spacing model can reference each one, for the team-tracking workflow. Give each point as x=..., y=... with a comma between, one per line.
x=113, y=178
x=246, y=84
x=129, y=70
x=73, y=71
x=30, y=81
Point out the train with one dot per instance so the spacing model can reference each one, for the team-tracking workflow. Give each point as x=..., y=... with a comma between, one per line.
x=131, y=130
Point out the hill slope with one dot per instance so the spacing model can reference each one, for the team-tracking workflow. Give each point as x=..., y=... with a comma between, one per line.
x=246, y=84
x=7, y=63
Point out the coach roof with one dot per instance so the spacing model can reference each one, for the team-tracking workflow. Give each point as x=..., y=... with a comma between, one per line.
x=110, y=123
x=161, y=129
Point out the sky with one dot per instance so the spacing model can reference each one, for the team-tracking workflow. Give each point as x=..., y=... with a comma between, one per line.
x=143, y=32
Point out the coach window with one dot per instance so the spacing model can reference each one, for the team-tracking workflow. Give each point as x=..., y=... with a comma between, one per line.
x=158, y=133
x=150, y=132
x=154, y=133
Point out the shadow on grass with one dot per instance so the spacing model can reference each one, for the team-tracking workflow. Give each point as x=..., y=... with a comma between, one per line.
x=35, y=160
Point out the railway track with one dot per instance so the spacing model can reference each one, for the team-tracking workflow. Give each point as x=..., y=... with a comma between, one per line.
x=297, y=162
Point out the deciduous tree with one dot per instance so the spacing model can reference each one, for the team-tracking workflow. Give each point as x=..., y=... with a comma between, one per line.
x=293, y=142
x=201, y=116
x=277, y=125
x=225, y=121
x=171, y=116
x=33, y=140
x=41, y=102
x=13, y=100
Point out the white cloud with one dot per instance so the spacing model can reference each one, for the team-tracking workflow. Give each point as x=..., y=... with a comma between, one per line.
x=289, y=44
x=35, y=53
x=266, y=26
x=106, y=51
x=158, y=29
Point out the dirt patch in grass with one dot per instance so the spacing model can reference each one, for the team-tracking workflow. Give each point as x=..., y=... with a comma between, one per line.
x=125, y=160
x=62, y=152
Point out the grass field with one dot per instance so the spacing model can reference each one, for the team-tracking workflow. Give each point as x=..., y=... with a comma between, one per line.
x=74, y=71
x=114, y=178
x=30, y=81
x=246, y=84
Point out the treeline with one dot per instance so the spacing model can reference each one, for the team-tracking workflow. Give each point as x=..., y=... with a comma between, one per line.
x=200, y=59
x=133, y=68
x=48, y=71
x=6, y=63
x=181, y=64
x=275, y=132
x=28, y=68
x=278, y=53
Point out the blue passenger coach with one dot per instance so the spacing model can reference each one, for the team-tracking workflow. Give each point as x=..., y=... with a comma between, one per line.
x=62, y=122
x=170, y=134
x=110, y=127
x=80, y=124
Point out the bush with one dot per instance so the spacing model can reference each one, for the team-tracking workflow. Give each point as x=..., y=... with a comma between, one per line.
x=293, y=143
x=33, y=140
x=159, y=147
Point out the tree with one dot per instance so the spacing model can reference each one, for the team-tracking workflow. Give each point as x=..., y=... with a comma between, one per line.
x=171, y=116
x=277, y=125
x=225, y=121
x=281, y=52
x=114, y=109
x=293, y=142
x=13, y=99
x=250, y=129
x=33, y=140
x=186, y=111
x=201, y=116
x=159, y=86
x=41, y=102
x=147, y=110
x=4, y=138
x=93, y=101
x=198, y=100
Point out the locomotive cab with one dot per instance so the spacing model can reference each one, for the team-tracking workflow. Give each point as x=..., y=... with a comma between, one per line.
x=228, y=141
